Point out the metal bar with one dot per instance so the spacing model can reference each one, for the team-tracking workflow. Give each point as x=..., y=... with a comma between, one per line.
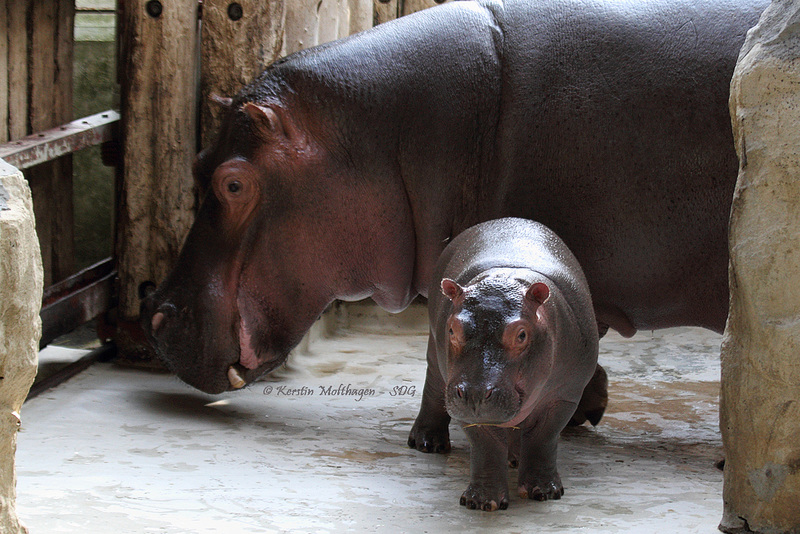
x=65, y=139
x=100, y=354
x=77, y=300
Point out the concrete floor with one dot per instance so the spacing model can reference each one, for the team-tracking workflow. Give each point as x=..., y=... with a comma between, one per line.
x=118, y=451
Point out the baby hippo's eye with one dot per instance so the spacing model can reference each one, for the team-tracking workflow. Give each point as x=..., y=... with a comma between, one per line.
x=234, y=186
x=522, y=336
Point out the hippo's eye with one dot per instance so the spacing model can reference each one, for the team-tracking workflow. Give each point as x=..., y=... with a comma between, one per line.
x=522, y=336
x=235, y=186
x=451, y=331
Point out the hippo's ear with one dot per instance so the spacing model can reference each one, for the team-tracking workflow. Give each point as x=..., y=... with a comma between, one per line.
x=267, y=121
x=537, y=294
x=451, y=289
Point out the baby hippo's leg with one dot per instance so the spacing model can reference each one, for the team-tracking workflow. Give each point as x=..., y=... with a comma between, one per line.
x=488, y=473
x=538, y=473
x=430, y=432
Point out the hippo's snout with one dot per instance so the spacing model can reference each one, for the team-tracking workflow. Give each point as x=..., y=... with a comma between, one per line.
x=482, y=403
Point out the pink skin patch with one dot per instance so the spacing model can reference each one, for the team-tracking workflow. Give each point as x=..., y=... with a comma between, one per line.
x=247, y=356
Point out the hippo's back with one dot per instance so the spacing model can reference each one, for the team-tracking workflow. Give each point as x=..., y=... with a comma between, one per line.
x=615, y=133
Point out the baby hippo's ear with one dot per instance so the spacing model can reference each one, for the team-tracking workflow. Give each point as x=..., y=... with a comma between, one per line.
x=537, y=294
x=451, y=289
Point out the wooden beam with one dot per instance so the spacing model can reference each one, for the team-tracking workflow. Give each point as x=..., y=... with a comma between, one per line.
x=312, y=22
x=158, y=41
x=412, y=6
x=50, y=56
x=17, y=11
x=386, y=10
x=3, y=71
x=237, y=44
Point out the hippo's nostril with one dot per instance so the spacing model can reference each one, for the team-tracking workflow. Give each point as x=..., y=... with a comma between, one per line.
x=460, y=391
x=489, y=390
x=158, y=318
x=146, y=289
x=166, y=309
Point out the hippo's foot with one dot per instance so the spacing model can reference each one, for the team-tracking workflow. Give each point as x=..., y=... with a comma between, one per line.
x=429, y=439
x=542, y=490
x=594, y=401
x=488, y=499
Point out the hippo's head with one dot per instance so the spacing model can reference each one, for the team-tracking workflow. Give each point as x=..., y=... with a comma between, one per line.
x=499, y=353
x=284, y=228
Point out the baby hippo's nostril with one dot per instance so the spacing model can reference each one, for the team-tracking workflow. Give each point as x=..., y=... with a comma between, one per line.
x=460, y=391
x=489, y=390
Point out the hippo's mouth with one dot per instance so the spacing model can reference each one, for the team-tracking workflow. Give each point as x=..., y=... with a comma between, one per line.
x=239, y=376
x=253, y=362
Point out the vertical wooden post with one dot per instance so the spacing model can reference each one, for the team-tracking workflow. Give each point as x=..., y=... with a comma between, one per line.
x=412, y=6
x=17, y=63
x=50, y=80
x=36, y=94
x=265, y=30
x=4, y=71
x=386, y=10
x=312, y=22
x=239, y=40
x=159, y=103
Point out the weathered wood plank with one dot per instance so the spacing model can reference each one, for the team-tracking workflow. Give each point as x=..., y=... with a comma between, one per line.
x=385, y=11
x=361, y=15
x=236, y=46
x=50, y=103
x=412, y=6
x=312, y=22
x=158, y=63
x=3, y=71
x=18, y=68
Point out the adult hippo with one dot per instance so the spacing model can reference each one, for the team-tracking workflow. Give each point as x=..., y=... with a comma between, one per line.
x=343, y=171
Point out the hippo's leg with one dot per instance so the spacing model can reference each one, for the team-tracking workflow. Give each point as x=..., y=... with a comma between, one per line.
x=488, y=472
x=594, y=400
x=538, y=473
x=514, y=438
x=430, y=432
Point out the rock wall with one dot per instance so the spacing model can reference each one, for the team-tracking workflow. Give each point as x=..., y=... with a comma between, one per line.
x=20, y=326
x=760, y=400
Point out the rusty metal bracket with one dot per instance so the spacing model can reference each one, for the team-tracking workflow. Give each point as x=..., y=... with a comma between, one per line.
x=65, y=139
x=77, y=300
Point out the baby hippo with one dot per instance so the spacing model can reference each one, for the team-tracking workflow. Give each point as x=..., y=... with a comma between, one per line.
x=513, y=343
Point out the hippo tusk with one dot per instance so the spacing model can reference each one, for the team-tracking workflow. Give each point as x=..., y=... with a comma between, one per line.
x=235, y=378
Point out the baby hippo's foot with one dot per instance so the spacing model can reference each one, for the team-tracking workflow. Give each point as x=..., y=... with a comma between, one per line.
x=541, y=490
x=426, y=438
x=484, y=498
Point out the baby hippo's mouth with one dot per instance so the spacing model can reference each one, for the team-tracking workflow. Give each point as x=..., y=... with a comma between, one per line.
x=479, y=405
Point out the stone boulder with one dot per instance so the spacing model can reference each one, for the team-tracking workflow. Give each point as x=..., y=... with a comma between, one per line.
x=20, y=326
x=760, y=397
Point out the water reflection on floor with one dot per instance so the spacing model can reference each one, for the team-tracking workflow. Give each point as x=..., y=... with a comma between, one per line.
x=322, y=447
